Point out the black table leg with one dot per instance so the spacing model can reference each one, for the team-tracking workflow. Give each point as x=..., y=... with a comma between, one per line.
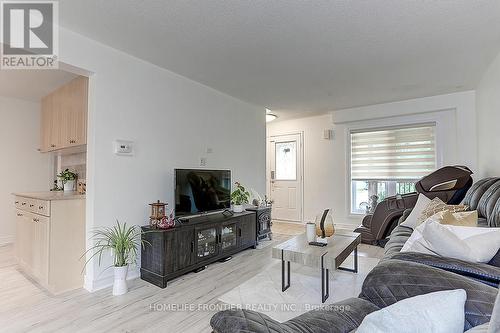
x=355, y=270
x=325, y=282
x=283, y=286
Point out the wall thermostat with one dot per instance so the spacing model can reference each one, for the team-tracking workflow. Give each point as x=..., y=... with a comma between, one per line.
x=123, y=147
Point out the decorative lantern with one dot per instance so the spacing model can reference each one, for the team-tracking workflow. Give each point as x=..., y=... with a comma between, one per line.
x=157, y=213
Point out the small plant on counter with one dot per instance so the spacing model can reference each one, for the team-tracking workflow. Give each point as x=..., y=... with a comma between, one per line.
x=68, y=178
x=239, y=197
x=124, y=242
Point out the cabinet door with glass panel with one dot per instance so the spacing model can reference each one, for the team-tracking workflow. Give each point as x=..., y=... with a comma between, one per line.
x=229, y=237
x=207, y=242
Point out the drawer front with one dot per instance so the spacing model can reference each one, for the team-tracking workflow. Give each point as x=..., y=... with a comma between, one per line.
x=31, y=205
x=42, y=207
x=39, y=219
x=35, y=206
x=23, y=203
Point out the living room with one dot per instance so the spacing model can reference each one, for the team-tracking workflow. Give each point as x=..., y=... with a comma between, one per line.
x=188, y=86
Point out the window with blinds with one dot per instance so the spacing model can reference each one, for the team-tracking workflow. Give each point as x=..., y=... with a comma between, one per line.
x=389, y=161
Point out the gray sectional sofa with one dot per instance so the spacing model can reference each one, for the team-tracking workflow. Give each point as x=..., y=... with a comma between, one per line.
x=398, y=276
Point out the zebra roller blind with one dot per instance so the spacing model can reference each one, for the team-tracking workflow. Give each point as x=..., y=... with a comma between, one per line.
x=407, y=153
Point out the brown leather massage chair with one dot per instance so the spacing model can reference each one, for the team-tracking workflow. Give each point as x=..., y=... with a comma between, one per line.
x=449, y=183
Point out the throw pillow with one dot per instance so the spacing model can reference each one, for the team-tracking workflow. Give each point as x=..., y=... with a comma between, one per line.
x=464, y=243
x=435, y=206
x=411, y=220
x=437, y=312
x=464, y=219
x=416, y=242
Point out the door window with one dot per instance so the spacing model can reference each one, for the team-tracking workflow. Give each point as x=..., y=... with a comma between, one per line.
x=286, y=160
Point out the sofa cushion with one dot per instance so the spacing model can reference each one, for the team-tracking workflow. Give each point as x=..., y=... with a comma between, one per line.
x=466, y=243
x=475, y=193
x=422, y=203
x=397, y=239
x=341, y=317
x=441, y=311
x=436, y=206
x=488, y=200
x=465, y=219
x=393, y=280
x=481, y=272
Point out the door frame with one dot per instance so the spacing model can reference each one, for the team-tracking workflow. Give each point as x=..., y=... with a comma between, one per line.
x=300, y=174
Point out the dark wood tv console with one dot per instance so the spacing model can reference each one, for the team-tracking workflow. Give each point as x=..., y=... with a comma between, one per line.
x=193, y=244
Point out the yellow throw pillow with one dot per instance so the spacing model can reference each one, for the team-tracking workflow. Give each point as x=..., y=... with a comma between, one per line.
x=437, y=205
x=462, y=219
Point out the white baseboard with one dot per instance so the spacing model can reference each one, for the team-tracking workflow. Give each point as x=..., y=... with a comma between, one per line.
x=107, y=281
x=4, y=240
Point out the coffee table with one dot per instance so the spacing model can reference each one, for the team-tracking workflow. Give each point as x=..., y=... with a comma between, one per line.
x=326, y=258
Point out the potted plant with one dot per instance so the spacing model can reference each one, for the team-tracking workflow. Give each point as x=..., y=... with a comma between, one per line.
x=239, y=197
x=68, y=179
x=123, y=241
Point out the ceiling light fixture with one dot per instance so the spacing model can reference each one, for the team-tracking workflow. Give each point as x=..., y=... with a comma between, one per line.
x=270, y=116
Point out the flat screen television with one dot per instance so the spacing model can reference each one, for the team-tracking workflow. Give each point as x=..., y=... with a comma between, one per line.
x=200, y=191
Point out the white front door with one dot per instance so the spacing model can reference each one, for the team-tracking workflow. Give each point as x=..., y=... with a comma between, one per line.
x=285, y=167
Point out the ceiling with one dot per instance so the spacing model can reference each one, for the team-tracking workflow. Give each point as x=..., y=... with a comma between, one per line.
x=32, y=85
x=296, y=56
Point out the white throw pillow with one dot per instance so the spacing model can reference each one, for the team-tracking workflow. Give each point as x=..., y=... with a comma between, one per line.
x=411, y=220
x=465, y=243
x=438, y=312
x=416, y=242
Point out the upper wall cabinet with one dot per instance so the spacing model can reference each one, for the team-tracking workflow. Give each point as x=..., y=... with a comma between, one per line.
x=64, y=116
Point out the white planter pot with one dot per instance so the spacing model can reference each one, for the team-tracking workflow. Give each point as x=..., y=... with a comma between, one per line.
x=311, y=232
x=120, y=284
x=69, y=186
x=237, y=208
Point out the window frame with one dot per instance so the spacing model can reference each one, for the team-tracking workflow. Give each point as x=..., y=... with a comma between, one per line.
x=358, y=129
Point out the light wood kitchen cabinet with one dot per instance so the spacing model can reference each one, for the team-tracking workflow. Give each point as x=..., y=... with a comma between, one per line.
x=50, y=239
x=64, y=116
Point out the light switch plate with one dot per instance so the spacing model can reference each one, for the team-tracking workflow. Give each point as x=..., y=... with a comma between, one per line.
x=124, y=147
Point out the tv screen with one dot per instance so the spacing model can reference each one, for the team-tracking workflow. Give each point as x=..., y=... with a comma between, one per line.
x=201, y=191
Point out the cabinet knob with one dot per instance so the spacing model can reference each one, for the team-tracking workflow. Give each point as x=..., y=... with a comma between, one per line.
x=40, y=207
x=16, y=202
x=31, y=206
x=53, y=146
x=23, y=204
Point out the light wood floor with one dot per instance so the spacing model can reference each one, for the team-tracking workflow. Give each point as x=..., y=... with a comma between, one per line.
x=25, y=307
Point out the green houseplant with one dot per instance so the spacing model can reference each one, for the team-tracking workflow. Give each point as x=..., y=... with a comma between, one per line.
x=68, y=178
x=239, y=197
x=123, y=241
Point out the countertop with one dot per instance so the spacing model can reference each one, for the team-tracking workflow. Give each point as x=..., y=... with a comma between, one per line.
x=54, y=195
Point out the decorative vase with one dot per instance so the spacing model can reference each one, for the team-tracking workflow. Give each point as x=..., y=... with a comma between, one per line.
x=237, y=208
x=311, y=232
x=120, y=283
x=69, y=186
x=329, y=227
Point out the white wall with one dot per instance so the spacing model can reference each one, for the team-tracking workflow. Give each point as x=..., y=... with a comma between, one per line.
x=326, y=164
x=320, y=159
x=172, y=121
x=23, y=168
x=488, y=121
